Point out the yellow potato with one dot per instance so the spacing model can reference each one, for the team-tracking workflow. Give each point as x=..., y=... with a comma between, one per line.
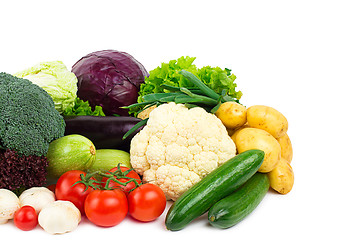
x=232, y=114
x=281, y=178
x=254, y=138
x=236, y=131
x=268, y=119
x=286, y=147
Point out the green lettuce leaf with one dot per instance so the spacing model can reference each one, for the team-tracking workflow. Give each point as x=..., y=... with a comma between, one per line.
x=167, y=73
x=220, y=80
x=56, y=80
x=82, y=108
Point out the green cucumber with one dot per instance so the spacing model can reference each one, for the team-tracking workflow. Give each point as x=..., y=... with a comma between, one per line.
x=238, y=205
x=71, y=152
x=219, y=183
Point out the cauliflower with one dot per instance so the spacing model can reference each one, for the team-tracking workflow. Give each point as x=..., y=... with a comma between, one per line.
x=179, y=146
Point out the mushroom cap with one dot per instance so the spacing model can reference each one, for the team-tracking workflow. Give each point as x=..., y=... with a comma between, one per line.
x=9, y=204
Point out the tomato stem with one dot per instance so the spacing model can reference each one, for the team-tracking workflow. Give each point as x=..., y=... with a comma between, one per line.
x=89, y=181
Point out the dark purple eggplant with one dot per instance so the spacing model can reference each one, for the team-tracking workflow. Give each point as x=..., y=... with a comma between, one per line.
x=105, y=132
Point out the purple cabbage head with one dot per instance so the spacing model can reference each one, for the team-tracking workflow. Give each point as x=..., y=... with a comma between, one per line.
x=110, y=79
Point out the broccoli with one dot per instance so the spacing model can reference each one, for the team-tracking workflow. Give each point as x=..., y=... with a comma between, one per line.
x=28, y=118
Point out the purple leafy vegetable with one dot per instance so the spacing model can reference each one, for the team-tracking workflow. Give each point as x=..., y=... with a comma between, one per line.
x=110, y=79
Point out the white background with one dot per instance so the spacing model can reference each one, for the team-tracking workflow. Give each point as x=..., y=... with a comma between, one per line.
x=283, y=53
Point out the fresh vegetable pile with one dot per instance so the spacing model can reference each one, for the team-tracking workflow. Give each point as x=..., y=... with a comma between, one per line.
x=108, y=140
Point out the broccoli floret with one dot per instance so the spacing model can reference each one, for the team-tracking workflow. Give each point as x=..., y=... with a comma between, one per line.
x=28, y=118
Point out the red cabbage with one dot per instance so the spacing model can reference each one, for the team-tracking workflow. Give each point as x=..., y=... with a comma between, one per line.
x=110, y=79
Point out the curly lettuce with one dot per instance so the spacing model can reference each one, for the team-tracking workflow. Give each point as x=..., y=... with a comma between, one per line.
x=216, y=78
x=83, y=108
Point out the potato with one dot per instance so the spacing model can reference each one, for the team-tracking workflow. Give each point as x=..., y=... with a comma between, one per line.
x=254, y=138
x=286, y=147
x=236, y=131
x=232, y=114
x=281, y=178
x=268, y=119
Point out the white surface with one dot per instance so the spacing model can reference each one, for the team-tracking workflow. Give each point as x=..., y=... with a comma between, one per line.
x=283, y=54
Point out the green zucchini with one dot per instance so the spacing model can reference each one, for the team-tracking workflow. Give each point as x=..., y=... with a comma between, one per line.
x=219, y=183
x=238, y=205
x=107, y=159
x=70, y=152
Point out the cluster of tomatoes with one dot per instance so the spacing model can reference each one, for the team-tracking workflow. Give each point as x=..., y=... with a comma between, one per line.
x=108, y=201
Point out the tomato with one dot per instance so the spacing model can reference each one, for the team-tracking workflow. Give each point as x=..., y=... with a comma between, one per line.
x=52, y=187
x=129, y=186
x=25, y=218
x=147, y=202
x=106, y=208
x=66, y=190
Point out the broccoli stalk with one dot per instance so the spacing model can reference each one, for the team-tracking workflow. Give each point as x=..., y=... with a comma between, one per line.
x=28, y=123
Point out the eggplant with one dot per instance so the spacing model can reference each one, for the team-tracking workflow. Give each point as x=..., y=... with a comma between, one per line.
x=105, y=132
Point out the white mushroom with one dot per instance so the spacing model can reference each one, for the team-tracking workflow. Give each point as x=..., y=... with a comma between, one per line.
x=9, y=204
x=59, y=217
x=37, y=197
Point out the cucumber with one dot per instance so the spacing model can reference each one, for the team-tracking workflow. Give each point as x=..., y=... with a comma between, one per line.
x=71, y=152
x=219, y=183
x=238, y=205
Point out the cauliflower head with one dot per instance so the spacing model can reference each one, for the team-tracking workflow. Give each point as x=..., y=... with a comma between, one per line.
x=179, y=146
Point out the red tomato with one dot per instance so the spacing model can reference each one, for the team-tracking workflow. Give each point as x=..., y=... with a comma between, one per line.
x=147, y=202
x=106, y=208
x=52, y=187
x=129, y=186
x=25, y=218
x=66, y=190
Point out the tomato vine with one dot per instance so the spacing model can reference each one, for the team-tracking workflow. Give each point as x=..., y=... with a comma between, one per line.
x=89, y=181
